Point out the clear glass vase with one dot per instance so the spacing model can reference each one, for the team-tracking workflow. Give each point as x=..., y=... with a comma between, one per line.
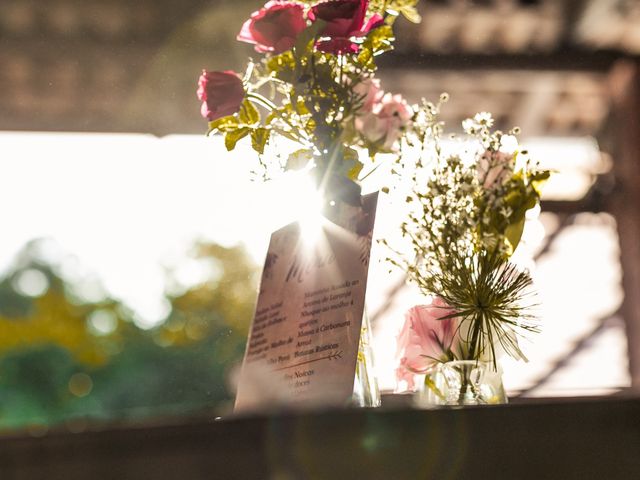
x=365, y=387
x=460, y=383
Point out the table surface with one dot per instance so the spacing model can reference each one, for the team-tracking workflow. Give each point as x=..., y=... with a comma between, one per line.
x=591, y=438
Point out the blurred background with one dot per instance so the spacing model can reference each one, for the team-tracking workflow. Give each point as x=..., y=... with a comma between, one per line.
x=131, y=245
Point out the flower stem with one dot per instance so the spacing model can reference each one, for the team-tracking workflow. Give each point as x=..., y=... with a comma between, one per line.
x=262, y=101
x=295, y=133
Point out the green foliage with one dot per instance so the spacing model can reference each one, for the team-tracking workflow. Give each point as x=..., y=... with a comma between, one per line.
x=351, y=163
x=247, y=122
x=249, y=115
x=259, y=139
x=506, y=208
x=378, y=41
x=299, y=159
x=232, y=137
x=12, y=305
x=33, y=385
x=490, y=298
x=283, y=67
x=179, y=368
x=147, y=379
x=224, y=124
x=407, y=8
x=513, y=233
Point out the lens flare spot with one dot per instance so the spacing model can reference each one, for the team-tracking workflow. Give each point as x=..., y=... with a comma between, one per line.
x=80, y=384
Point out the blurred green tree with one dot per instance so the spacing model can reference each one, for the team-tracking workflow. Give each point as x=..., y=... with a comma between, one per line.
x=59, y=360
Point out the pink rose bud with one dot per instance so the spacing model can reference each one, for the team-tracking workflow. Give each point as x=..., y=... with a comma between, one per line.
x=386, y=123
x=344, y=20
x=275, y=27
x=369, y=92
x=421, y=340
x=221, y=93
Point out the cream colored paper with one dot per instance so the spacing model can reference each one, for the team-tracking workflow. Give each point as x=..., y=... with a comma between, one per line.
x=303, y=342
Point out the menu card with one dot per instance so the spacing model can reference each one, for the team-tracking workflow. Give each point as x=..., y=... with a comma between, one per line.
x=303, y=343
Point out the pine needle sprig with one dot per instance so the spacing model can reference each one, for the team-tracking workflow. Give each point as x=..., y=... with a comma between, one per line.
x=491, y=299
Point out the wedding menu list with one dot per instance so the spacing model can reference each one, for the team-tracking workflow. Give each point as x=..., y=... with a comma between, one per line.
x=303, y=344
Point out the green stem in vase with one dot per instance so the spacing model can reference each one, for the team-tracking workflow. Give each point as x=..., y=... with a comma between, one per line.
x=465, y=384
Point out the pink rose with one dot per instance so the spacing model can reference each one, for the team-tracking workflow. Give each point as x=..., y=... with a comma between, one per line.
x=369, y=92
x=275, y=27
x=221, y=93
x=344, y=20
x=386, y=122
x=421, y=340
x=495, y=168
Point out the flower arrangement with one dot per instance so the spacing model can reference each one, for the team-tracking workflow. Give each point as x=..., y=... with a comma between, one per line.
x=469, y=207
x=314, y=84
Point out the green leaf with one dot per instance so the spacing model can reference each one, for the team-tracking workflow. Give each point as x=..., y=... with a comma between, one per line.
x=310, y=126
x=538, y=179
x=301, y=108
x=410, y=13
x=283, y=66
x=271, y=117
x=259, y=139
x=365, y=57
x=381, y=39
x=249, y=114
x=354, y=171
x=378, y=40
x=520, y=198
x=349, y=166
x=233, y=136
x=431, y=385
x=351, y=163
x=299, y=159
x=224, y=124
x=513, y=233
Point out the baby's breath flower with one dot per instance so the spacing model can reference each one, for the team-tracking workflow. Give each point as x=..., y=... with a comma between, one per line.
x=469, y=126
x=484, y=119
x=458, y=228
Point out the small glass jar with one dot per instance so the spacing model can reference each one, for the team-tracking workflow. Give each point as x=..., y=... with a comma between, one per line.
x=460, y=383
